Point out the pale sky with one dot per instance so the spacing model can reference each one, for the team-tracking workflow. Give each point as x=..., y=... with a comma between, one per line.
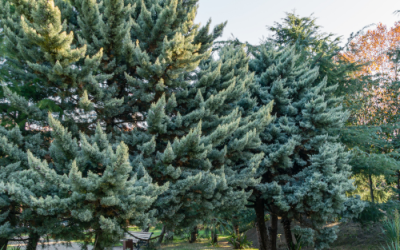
x=248, y=19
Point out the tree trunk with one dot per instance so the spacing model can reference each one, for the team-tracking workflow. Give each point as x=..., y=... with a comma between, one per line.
x=288, y=233
x=160, y=239
x=3, y=244
x=273, y=231
x=235, y=224
x=262, y=233
x=258, y=234
x=214, y=237
x=193, y=235
x=98, y=242
x=33, y=241
x=371, y=188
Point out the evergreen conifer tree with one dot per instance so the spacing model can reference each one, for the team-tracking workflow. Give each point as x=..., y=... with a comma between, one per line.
x=218, y=96
x=10, y=74
x=100, y=192
x=305, y=173
x=135, y=67
x=375, y=159
x=229, y=76
x=16, y=217
x=321, y=50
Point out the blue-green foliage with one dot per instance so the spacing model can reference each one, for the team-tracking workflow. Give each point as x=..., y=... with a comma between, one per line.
x=141, y=73
x=100, y=190
x=305, y=174
x=17, y=185
x=90, y=186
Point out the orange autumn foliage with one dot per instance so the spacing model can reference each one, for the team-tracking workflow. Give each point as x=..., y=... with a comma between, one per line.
x=380, y=102
x=373, y=46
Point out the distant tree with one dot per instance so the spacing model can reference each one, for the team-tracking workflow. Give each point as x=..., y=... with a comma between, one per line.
x=374, y=123
x=374, y=160
x=376, y=49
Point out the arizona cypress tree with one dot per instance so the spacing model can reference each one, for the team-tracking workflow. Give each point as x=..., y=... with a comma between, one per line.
x=305, y=174
x=134, y=68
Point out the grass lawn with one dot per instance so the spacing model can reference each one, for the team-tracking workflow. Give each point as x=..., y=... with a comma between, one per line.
x=155, y=231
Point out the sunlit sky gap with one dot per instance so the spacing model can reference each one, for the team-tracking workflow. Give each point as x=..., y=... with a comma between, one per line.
x=248, y=19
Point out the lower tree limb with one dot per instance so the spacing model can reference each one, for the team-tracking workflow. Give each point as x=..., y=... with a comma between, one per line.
x=33, y=241
x=193, y=235
x=288, y=232
x=273, y=231
x=261, y=229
